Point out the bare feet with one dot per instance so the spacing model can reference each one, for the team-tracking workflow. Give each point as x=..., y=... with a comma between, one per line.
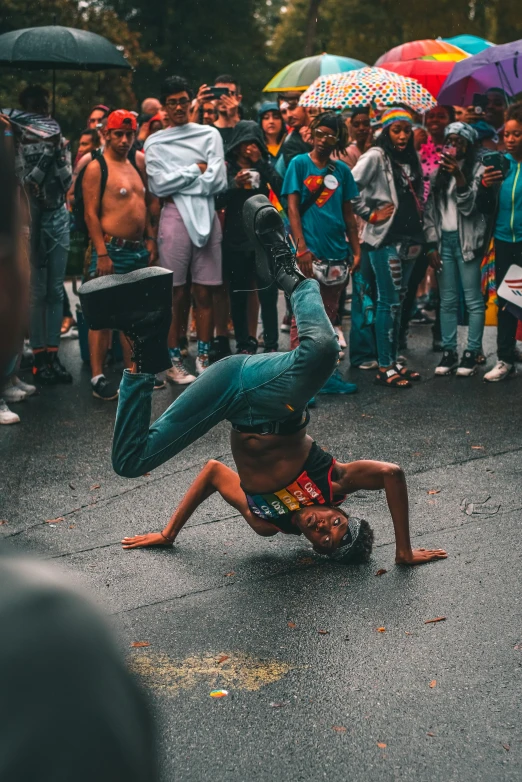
x=144, y=541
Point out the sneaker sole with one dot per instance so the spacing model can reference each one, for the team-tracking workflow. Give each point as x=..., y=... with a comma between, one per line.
x=106, y=398
x=446, y=372
x=97, y=296
x=499, y=379
x=251, y=209
x=466, y=374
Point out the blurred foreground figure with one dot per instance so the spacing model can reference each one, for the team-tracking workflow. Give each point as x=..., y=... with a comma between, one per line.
x=71, y=709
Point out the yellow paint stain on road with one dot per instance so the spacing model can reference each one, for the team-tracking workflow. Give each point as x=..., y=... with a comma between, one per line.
x=239, y=671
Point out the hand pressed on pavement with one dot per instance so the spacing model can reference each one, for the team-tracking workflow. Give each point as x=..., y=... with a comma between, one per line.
x=419, y=556
x=144, y=541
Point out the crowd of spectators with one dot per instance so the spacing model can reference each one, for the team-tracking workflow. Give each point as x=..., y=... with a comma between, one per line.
x=422, y=216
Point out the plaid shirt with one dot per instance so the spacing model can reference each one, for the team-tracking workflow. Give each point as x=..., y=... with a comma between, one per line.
x=46, y=168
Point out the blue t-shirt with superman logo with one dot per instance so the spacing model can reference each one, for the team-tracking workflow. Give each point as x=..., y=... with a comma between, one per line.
x=323, y=223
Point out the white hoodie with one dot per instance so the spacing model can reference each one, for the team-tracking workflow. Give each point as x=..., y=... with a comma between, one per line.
x=171, y=156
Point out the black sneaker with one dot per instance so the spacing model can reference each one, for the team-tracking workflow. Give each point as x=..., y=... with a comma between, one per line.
x=448, y=363
x=220, y=348
x=436, y=346
x=56, y=366
x=42, y=372
x=468, y=364
x=139, y=304
x=104, y=389
x=275, y=260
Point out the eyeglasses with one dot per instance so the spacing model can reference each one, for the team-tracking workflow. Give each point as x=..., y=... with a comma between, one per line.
x=328, y=138
x=172, y=103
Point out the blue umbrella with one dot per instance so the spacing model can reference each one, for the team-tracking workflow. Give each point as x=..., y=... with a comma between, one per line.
x=471, y=44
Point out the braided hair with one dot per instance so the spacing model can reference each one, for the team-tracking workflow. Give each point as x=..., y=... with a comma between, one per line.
x=396, y=158
x=333, y=121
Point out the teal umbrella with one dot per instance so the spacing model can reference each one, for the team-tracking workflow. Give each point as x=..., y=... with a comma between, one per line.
x=471, y=44
x=59, y=48
x=300, y=74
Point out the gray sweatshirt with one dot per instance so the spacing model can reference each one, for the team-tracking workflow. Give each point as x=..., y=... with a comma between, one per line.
x=374, y=177
x=471, y=223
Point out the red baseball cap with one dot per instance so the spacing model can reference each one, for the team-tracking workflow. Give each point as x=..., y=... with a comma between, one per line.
x=121, y=119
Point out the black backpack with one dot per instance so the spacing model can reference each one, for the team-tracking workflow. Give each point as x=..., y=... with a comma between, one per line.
x=78, y=209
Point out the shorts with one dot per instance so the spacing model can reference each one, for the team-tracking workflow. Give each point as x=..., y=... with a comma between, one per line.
x=178, y=254
x=124, y=260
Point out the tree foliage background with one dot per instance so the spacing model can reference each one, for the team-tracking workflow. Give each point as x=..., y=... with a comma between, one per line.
x=251, y=39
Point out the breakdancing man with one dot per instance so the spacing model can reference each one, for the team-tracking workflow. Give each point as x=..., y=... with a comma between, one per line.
x=284, y=481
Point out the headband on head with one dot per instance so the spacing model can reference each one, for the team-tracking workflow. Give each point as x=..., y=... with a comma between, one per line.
x=348, y=539
x=395, y=115
x=461, y=129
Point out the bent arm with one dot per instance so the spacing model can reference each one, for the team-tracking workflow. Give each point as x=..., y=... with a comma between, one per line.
x=214, y=477
x=91, y=186
x=214, y=179
x=390, y=477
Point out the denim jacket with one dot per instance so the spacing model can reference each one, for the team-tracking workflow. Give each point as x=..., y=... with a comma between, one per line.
x=472, y=225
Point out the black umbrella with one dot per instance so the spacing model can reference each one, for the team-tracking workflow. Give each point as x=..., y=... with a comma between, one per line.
x=59, y=48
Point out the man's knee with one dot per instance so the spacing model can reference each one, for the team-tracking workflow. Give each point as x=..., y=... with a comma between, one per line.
x=126, y=466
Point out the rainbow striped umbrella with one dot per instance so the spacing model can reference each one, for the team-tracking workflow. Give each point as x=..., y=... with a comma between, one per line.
x=301, y=73
x=414, y=50
x=375, y=87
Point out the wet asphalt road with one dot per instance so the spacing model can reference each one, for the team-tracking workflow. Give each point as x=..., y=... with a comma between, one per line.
x=226, y=609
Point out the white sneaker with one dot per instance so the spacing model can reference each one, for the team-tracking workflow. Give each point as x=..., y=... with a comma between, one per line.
x=372, y=364
x=202, y=363
x=178, y=374
x=27, y=387
x=6, y=416
x=340, y=336
x=501, y=371
x=13, y=394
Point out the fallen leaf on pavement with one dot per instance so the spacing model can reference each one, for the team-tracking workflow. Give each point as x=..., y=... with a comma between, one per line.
x=306, y=561
x=139, y=644
x=437, y=619
x=146, y=474
x=407, y=633
x=429, y=733
x=60, y=456
x=72, y=486
x=222, y=658
x=72, y=526
x=477, y=447
x=3, y=521
x=276, y=705
x=54, y=521
x=339, y=728
x=434, y=491
x=94, y=487
x=381, y=629
x=506, y=747
x=323, y=632
x=232, y=573
x=517, y=647
x=291, y=625
x=433, y=683
x=381, y=745
x=381, y=572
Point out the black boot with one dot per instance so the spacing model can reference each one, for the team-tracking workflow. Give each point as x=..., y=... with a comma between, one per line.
x=42, y=372
x=56, y=366
x=275, y=260
x=140, y=305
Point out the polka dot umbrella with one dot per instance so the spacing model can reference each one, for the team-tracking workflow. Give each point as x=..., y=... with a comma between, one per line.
x=367, y=87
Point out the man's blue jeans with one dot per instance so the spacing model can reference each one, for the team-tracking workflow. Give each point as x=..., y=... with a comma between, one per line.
x=242, y=389
x=362, y=335
x=391, y=275
x=454, y=267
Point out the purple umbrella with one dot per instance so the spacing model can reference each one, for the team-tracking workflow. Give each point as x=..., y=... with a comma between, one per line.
x=498, y=66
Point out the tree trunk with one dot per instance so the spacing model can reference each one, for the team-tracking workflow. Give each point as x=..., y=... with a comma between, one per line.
x=311, y=27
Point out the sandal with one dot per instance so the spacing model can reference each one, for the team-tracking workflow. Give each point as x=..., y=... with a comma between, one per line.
x=408, y=374
x=391, y=378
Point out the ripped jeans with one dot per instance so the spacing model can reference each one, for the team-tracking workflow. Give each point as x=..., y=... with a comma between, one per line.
x=391, y=275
